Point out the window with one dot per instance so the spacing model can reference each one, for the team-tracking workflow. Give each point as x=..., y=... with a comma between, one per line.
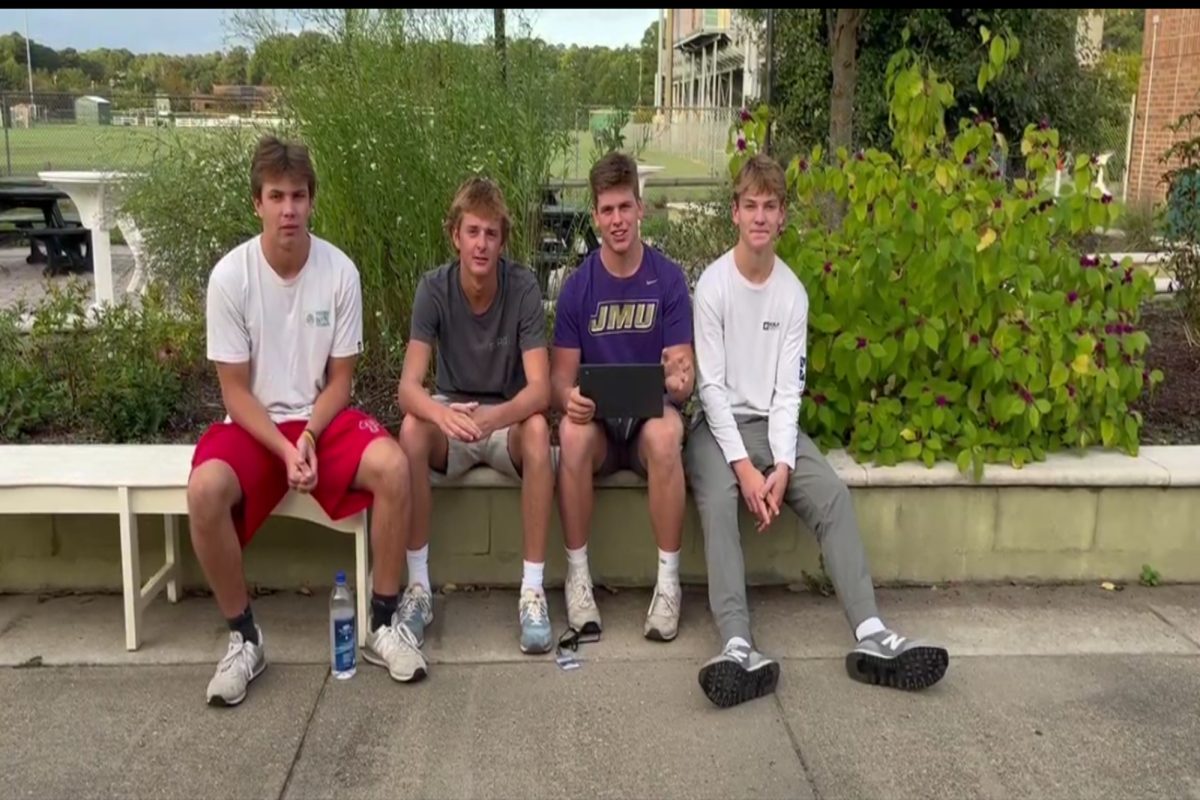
x=710, y=17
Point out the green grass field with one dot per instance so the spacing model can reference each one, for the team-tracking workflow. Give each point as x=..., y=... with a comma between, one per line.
x=28, y=151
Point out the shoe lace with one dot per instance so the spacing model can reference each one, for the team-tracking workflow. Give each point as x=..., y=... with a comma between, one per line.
x=238, y=658
x=411, y=605
x=665, y=603
x=581, y=594
x=396, y=637
x=533, y=608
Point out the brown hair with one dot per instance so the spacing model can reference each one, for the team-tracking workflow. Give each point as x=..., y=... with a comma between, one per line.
x=274, y=158
x=761, y=174
x=614, y=171
x=480, y=196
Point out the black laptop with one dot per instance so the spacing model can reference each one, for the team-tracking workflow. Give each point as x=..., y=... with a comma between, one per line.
x=624, y=391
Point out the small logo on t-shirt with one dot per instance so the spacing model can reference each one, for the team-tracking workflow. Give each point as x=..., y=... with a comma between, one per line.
x=618, y=317
x=770, y=326
x=318, y=318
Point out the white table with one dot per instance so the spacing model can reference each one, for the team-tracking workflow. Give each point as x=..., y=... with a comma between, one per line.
x=645, y=171
x=98, y=196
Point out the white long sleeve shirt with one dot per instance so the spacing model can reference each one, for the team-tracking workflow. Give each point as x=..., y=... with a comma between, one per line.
x=751, y=344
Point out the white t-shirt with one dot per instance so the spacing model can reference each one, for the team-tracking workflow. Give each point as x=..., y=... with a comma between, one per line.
x=750, y=354
x=286, y=329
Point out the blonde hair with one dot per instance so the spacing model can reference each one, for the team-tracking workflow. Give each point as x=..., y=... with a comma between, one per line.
x=480, y=196
x=761, y=174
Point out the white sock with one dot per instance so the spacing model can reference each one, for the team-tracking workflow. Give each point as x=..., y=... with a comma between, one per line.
x=532, y=579
x=418, y=566
x=737, y=641
x=868, y=627
x=577, y=559
x=668, y=566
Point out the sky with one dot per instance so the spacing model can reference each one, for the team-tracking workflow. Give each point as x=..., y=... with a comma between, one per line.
x=205, y=30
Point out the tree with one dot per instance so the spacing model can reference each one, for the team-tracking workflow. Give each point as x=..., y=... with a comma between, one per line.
x=648, y=61
x=1048, y=82
x=843, y=37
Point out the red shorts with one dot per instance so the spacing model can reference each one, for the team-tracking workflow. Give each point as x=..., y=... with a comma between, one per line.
x=263, y=476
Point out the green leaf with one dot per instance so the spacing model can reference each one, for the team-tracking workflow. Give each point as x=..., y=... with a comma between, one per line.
x=1058, y=374
x=931, y=338
x=963, y=461
x=1035, y=417
x=985, y=33
x=996, y=55
x=1131, y=429
x=826, y=323
x=863, y=364
x=911, y=340
x=1108, y=432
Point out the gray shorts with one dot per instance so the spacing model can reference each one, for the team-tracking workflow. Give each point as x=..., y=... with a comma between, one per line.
x=461, y=457
x=621, y=436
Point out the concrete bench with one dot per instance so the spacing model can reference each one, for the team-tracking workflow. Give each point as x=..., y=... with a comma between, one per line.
x=127, y=480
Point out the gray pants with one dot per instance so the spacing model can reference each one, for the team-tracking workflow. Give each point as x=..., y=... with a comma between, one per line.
x=814, y=493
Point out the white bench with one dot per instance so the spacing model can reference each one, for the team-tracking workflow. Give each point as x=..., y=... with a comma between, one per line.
x=128, y=480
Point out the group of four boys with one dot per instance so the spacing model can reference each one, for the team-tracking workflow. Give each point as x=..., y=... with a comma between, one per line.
x=284, y=327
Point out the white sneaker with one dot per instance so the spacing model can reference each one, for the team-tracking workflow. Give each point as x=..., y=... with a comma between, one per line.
x=582, y=614
x=395, y=647
x=243, y=662
x=662, y=619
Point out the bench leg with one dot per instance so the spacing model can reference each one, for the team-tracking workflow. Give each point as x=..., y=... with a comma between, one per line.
x=131, y=570
x=361, y=556
x=171, y=545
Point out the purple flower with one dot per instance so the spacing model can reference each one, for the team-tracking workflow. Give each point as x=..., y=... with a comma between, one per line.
x=1071, y=391
x=828, y=267
x=745, y=115
x=1106, y=198
x=1072, y=296
x=941, y=400
x=913, y=205
x=1128, y=276
x=819, y=399
x=1044, y=124
x=969, y=159
x=741, y=142
x=862, y=343
x=858, y=156
x=974, y=338
x=1110, y=329
x=997, y=203
x=804, y=165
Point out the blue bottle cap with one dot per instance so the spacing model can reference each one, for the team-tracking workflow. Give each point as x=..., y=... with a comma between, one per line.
x=341, y=576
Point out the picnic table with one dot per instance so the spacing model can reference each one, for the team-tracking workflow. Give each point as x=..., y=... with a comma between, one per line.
x=67, y=243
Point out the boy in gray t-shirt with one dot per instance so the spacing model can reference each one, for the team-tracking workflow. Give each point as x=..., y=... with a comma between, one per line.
x=484, y=316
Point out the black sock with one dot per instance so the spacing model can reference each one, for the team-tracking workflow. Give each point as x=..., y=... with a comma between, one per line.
x=382, y=608
x=244, y=624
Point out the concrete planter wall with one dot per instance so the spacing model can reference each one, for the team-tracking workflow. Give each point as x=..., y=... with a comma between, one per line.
x=1074, y=517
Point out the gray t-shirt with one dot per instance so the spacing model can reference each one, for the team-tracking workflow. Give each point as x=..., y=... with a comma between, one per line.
x=479, y=356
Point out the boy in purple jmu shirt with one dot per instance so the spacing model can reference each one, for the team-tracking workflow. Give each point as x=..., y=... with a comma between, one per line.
x=627, y=303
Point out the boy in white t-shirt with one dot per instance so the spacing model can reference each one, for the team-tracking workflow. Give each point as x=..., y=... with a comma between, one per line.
x=284, y=327
x=751, y=318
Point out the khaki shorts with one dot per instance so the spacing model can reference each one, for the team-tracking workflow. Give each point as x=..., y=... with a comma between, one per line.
x=461, y=457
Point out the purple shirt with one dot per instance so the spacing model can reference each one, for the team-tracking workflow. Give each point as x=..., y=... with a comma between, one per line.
x=630, y=320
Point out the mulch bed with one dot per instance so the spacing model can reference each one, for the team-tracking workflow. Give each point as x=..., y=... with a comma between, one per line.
x=1172, y=414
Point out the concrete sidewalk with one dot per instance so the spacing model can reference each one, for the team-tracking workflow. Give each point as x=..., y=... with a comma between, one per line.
x=1051, y=692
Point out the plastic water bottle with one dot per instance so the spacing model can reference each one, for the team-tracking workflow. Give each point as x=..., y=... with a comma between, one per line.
x=343, y=638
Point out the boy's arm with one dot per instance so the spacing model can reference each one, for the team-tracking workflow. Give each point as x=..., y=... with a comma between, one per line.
x=783, y=425
x=347, y=344
x=229, y=350
x=534, y=397
x=710, y=363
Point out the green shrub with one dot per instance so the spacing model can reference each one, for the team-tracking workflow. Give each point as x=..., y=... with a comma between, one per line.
x=122, y=377
x=949, y=317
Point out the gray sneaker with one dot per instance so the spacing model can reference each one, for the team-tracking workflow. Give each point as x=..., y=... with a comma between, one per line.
x=394, y=648
x=888, y=659
x=739, y=674
x=243, y=662
x=416, y=611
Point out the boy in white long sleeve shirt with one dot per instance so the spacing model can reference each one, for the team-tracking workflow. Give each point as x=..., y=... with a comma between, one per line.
x=751, y=318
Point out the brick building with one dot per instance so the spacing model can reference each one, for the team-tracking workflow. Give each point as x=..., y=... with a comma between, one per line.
x=1169, y=88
